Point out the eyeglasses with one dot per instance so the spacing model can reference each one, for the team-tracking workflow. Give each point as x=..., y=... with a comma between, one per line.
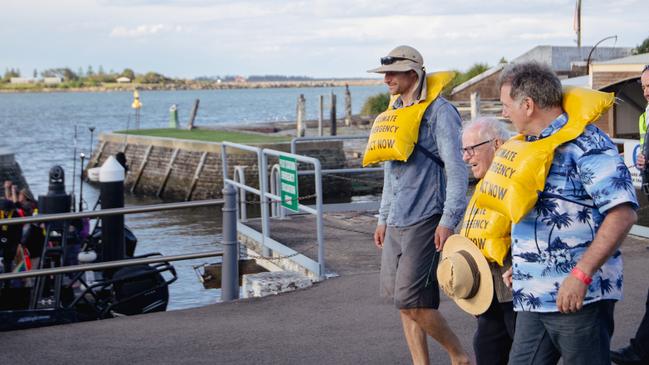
x=470, y=150
x=388, y=60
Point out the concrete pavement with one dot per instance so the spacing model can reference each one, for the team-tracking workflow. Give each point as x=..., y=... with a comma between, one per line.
x=338, y=321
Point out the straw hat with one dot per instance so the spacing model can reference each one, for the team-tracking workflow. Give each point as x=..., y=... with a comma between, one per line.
x=464, y=276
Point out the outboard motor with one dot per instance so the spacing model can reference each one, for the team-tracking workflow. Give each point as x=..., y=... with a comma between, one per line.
x=56, y=200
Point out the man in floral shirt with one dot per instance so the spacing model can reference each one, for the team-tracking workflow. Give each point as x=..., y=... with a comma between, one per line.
x=567, y=269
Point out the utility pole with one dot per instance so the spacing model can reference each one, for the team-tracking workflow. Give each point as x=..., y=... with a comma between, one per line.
x=577, y=22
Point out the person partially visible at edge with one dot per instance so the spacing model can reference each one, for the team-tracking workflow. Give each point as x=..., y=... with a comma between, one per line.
x=10, y=234
x=421, y=204
x=495, y=332
x=567, y=269
x=637, y=352
x=642, y=121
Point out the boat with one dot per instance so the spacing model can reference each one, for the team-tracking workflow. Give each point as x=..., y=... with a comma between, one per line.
x=82, y=295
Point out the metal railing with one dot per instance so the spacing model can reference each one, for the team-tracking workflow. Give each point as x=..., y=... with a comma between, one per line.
x=276, y=209
x=107, y=265
x=340, y=207
x=112, y=211
x=240, y=177
x=297, y=140
x=230, y=254
x=267, y=243
x=318, y=211
x=355, y=170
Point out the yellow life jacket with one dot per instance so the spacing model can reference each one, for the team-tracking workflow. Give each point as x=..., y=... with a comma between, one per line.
x=9, y=215
x=395, y=131
x=490, y=231
x=519, y=169
x=642, y=126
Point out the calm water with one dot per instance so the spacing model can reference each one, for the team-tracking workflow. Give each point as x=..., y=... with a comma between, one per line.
x=39, y=129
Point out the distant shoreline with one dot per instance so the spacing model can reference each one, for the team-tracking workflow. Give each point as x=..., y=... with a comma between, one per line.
x=187, y=85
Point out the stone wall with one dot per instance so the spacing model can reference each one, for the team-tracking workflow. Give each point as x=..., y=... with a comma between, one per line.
x=190, y=170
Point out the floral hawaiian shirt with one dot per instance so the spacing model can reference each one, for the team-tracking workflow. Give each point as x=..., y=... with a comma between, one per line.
x=586, y=179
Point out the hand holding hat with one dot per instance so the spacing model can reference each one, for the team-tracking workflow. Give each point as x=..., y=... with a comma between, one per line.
x=464, y=276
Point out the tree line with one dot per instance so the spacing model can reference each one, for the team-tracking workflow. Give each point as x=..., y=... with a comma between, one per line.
x=89, y=77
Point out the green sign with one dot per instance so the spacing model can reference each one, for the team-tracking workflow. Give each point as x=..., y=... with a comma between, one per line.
x=288, y=179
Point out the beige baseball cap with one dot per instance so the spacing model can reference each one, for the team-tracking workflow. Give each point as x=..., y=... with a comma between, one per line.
x=401, y=59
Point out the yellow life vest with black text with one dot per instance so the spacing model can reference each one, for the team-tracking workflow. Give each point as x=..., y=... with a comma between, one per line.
x=489, y=230
x=395, y=131
x=519, y=169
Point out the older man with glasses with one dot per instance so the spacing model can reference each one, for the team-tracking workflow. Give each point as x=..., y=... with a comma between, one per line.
x=495, y=333
x=637, y=352
x=423, y=200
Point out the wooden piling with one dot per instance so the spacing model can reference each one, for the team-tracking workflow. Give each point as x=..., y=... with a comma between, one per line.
x=475, y=105
x=167, y=173
x=300, y=128
x=321, y=117
x=190, y=124
x=141, y=169
x=332, y=113
x=348, y=106
x=197, y=174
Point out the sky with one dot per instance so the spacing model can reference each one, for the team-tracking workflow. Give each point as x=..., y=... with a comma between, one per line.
x=317, y=38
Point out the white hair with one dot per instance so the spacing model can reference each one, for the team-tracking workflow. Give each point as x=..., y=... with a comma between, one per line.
x=488, y=128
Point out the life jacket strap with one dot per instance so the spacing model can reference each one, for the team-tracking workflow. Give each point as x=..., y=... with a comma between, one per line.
x=429, y=155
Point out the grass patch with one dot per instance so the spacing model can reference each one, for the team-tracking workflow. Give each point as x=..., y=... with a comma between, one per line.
x=208, y=135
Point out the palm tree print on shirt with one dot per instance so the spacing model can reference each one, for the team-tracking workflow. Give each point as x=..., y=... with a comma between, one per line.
x=587, y=177
x=544, y=207
x=584, y=216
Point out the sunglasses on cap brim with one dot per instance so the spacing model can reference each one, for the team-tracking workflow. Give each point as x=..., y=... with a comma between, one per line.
x=388, y=60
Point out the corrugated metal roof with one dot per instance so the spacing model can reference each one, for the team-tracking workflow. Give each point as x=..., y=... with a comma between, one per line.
x=583, y=81
x=641, y=59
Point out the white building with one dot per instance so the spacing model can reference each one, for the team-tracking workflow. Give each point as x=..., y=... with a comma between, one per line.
x=52, y=80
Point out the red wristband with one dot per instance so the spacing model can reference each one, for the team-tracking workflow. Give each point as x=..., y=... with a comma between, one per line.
x=576, y=272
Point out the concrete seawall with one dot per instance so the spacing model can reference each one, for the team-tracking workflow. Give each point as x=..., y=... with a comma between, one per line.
x=179, y=169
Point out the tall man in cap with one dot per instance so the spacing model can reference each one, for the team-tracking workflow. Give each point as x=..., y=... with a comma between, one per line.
x=637, y=352
x=423, y=200
x=567, y=269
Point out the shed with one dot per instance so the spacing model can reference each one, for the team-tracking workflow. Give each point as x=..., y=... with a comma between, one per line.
x=484, y=83
x=621, y=77
x=566, y=61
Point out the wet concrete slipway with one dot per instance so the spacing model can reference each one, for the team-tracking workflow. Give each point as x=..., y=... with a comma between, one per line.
x=339, y=321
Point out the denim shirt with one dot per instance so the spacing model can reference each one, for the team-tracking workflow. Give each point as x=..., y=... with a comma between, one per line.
x=419, y=188
x=586, y=179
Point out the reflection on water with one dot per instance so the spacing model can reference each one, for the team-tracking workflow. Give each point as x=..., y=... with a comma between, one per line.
x=40, y=129
x=177, y=232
